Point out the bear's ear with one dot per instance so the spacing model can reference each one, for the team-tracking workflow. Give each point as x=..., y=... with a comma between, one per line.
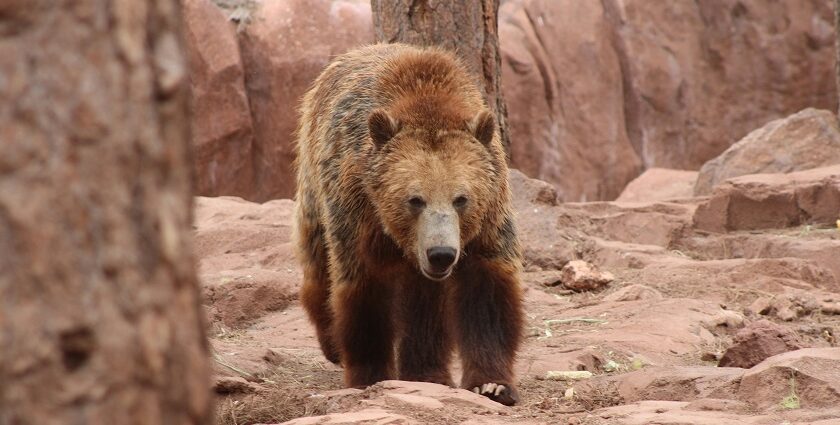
x=382, y=127
x=483, y=127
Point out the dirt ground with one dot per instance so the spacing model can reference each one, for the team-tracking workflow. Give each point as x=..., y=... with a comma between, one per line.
x=683, y=299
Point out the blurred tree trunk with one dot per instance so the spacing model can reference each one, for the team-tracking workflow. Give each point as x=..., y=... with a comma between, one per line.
x=837, y=49
x=470, y=28
x=100, y=316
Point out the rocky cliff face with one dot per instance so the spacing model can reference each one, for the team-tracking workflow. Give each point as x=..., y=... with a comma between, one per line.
x=597, y=91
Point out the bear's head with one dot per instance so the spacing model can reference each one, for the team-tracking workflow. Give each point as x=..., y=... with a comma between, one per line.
x=432, y=187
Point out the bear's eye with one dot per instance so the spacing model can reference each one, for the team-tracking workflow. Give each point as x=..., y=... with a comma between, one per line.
x=417, y=202
x=460, y=202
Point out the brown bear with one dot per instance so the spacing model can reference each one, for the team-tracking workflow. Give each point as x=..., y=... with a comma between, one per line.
x=404, y=224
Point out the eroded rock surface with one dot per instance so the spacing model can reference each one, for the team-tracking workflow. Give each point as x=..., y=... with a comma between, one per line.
x=682, y=299
x=805, y=140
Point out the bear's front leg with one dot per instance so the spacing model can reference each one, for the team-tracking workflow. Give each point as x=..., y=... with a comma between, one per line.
x=364, y=331
x=488, y=317
x=426, y=344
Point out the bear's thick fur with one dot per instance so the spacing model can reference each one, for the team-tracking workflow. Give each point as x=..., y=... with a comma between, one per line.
x=403, y=222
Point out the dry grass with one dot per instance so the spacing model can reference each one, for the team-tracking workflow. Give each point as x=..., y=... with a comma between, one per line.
x=286, y=392
x=274, y=405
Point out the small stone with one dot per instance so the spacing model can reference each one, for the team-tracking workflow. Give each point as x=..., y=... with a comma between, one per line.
x=567, y=375
x=728, y=318
x=272, y=357
x=579, y=275
x=634, y=293
x=830, y=307
x=233, y=385
x=610, y=366
x=761, y=305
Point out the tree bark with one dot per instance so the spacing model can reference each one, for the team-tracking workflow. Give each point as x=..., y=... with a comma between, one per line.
x=469, y=28
x=100, y=316
x=837, y=50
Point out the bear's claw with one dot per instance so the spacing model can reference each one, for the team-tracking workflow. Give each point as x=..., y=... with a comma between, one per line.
x=498, y=393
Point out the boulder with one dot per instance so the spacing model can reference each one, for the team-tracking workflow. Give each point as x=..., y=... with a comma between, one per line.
x=222, y=131
x=544, y=245
x=758, y=341
x=772, y=201
x=284, y=48
x=811, y=375
x=659, y=184
x=805, y=140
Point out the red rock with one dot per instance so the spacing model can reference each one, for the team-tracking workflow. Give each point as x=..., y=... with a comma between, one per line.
x=768, y=201
x=222, y=131
x=416, y=400
x=678, y=412
x=619, y=255
x=812, y=374
x=566, y=130
x=546, y=278
x=718, y=405
x=669, y=84
x=527, y=191
x=284, y=48
x=660, y=224
x=582, y=276
x=371, y=415
x=678, y=383
x=713, y=279
x=247, y=266
x=758, y=341
x=441, y=393
x=698, y=76
x=656, y=331
x=805, y=140
x=790, y=307
x=274, y=358
x=544, y=245
x=234, y=385
x=726, y=318
x=761, y=305
x=634, y=293
x=814, y=247
x=658, y=321
x=659, y=184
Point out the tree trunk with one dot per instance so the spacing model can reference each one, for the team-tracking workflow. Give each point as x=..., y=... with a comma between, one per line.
x=837, y=50
x=100, y=317
x=470, y=28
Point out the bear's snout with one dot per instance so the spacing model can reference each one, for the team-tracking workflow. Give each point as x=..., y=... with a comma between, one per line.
x=441, y=258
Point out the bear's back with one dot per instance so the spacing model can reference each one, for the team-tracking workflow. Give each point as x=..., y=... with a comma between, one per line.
x=375, y=76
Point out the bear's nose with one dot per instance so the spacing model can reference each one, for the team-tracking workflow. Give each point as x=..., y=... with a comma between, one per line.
x=441, y=257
